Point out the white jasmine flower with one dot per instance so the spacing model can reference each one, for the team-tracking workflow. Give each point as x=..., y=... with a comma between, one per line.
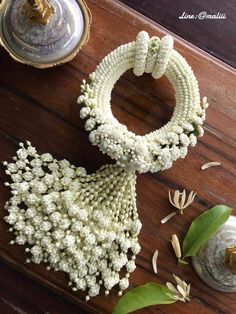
x=84, y=112
x=187, y=126
x=173, y=138
x=175, y=152
x=198, y=120
x=192, y=140
x=90, y=124
x=182, y=289
x=199, y=131
x=180, y=199
x=183, y=151
x=184, y=139
x=177, y=129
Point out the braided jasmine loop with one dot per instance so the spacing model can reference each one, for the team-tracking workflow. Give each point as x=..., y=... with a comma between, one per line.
x=157, y=150
x=153, y=49
x=164, y=56
x=142, y=41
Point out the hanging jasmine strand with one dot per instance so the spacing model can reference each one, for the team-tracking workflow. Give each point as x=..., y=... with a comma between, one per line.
x=85, y=225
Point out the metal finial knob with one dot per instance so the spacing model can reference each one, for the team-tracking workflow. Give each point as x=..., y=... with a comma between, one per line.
x=230, y=258
x=38, y=11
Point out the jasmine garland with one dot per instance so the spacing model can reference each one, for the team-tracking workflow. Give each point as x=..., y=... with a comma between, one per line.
x=156, y=150
x=88, y=225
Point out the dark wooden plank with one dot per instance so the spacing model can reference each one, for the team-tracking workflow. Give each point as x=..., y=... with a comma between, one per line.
x=216, y=36
x=20, y=294
x=41, y=106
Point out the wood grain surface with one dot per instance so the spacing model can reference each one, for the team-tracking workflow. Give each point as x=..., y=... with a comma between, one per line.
x=216, y=36
x=40, y=106
x=21, y=294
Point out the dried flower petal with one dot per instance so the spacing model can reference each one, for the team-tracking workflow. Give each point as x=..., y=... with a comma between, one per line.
x=176, y=246
x=210, y=164
x=154, y=261
x=183, y=198
x=178, y=298
x=177, y=279
x=188, y=289
x=171, y=287
x=171, y=199
x=176, y=198
x=190, y=199
x=168, y=217
x=181, y=291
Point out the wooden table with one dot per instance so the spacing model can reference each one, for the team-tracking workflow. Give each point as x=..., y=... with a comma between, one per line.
x=216, y=36
x=40, y=106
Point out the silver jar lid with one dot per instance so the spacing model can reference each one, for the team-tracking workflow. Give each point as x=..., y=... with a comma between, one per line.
x=215, y=262
x=44, y=33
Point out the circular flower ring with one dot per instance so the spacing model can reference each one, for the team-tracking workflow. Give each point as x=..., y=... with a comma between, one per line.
x=157, y=150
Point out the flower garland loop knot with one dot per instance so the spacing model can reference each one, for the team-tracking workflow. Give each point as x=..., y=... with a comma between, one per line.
x=152, y=54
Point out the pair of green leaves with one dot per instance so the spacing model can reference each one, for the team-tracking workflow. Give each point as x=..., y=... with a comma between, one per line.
x=200, y=231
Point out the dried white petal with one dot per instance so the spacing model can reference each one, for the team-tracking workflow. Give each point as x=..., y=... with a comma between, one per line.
x=171, y=287
x=176, y=198
x=190, y=199
x=168, y=217
x=154, y=261
x=170, y=199
x=210, y=164
x=188, y=289
x=178, y=298
x=181, y=290
x=178, y=280
x=183, y=198
x=176, y=246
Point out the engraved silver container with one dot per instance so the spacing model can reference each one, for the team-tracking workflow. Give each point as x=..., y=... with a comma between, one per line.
x=44, y=33
x=215, y=262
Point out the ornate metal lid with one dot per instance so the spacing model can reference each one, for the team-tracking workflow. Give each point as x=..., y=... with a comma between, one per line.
x=44, y=33
x=215, y=262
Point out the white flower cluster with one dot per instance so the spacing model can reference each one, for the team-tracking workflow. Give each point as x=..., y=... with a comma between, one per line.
x=84, y=225
x=157, y=150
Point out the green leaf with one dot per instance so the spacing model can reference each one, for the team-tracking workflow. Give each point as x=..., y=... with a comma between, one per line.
x=143, y=296
x=203, y=228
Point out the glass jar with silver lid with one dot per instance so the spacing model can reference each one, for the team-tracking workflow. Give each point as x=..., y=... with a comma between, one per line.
x=215, y=262
x=44, y=33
